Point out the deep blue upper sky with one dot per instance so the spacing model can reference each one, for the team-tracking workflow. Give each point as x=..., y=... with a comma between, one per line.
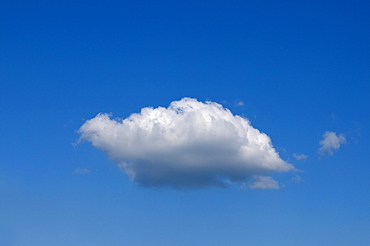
x=301, y=68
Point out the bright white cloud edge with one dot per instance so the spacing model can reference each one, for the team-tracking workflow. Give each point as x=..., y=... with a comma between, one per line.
x=190, y=144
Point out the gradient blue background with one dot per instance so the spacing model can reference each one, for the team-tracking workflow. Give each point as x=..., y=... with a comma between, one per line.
x=300, y=67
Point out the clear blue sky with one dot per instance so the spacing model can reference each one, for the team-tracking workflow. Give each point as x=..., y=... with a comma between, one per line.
x=295, y=69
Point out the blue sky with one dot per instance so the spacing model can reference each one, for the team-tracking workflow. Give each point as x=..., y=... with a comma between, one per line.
x=298, y=71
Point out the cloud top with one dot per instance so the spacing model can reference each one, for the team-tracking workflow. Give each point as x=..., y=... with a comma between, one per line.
x=190, y=144
x=331, y=141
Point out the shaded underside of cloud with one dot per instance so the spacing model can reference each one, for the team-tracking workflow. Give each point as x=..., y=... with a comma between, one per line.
x=190, y=144
x=331, y=141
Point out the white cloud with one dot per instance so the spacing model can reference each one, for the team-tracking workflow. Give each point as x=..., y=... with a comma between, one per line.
x=80, y=171
x=190, y=144
x=300, y=157
x=264, y=183
x=331, y=142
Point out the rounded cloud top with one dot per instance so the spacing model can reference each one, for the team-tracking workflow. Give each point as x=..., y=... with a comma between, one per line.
x=190, y=144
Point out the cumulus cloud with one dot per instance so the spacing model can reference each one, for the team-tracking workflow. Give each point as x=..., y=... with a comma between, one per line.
x=300, y=157
x=190, y=144
x=331, y=141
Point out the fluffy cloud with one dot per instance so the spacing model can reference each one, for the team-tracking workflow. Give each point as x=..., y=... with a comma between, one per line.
x=190, y=144
x=331, y=141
